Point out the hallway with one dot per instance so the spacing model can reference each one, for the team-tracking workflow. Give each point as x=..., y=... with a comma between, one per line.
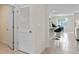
x=66, y=45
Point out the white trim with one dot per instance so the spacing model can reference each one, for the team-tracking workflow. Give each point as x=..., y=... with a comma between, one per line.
x=25, y=6
x=62, y=14
x=70, y=32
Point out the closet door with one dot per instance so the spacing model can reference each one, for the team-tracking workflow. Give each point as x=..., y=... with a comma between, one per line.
x=23, y=29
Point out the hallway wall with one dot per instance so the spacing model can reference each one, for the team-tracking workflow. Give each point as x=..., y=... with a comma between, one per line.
x=40, y=27
x=76, y=23
x=5, y=17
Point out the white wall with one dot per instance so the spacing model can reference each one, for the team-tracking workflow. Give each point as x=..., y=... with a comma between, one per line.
x=39, y=27
x=5, y=17
x=76, y=22
x=76, y=19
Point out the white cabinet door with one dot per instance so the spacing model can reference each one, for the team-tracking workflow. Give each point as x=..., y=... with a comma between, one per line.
x=23, y=29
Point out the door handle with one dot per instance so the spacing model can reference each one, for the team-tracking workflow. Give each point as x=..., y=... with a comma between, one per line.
x=30, y=31
x=17, y=27
x=7, y=29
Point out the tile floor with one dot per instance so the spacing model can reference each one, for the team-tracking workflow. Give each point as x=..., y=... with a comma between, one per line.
x=66, y=45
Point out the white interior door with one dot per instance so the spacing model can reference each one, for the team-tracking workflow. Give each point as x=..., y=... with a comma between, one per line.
x=23, y=29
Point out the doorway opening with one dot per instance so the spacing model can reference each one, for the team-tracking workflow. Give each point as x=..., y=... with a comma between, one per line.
x=63, y=16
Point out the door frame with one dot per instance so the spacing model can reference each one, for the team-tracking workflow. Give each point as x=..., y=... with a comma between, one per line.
x=13, y=30
x=13, y=42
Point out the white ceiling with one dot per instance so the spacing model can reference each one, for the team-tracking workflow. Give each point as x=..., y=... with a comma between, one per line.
x=58, y=8
x=63, y=8
x=19, y=5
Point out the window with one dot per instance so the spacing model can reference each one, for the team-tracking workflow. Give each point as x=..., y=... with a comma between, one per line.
x=62, y=22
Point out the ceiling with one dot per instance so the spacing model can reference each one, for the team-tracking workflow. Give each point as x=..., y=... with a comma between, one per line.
x=19, y=5
x=58, y=8
x=63, y=8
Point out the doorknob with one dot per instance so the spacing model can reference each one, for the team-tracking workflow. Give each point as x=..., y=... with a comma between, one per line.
x=7, y=29
x=17, y=27
x=30, y=31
